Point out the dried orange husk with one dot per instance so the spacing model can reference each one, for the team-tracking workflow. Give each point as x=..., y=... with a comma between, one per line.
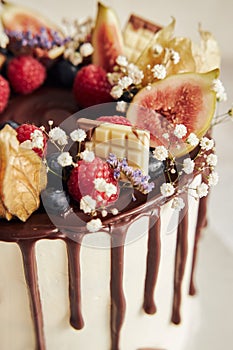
x=22, y=176
x=207, y=53
x=165, y=38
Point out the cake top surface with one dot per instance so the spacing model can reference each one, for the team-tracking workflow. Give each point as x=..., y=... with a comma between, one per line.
x=108, y=123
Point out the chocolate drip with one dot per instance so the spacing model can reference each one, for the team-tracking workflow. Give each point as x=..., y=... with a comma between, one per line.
x=180, y=260
x=30, y=269
x=201, y=223
x=118, y=304
x=73, y=252
x=153, y=262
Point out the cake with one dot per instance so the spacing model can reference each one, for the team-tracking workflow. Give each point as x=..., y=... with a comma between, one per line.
x=109, y=265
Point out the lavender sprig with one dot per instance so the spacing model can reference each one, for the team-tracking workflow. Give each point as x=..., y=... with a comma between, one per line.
x=135, y=176
x=45, y=39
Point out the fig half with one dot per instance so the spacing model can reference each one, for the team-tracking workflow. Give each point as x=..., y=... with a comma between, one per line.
x=21, y=19
x=107, y=38
x=186, y=98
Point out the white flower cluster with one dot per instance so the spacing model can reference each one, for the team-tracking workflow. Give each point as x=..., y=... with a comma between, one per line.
x=60, y=139
x=204, y=162
x=180, y=131
x=102, y=186
x=159, y=71
x=126, y=75
x=220, y=90
x=160, y=153
x=76, y=48
x=36, y=140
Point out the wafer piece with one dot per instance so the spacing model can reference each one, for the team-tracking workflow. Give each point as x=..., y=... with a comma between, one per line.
x=137, y=35
x=124, y=141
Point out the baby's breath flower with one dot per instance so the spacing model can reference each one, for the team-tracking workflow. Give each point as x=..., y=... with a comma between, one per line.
x=175, y=56
x=213, y=179
x=37, y=139
x=125, y=82
x=122, y=61
x=102, y=186
x=94, y=225
x=65, y=159
x=110, y=189
x=159, y=71
x=104, y=213
x=160, y=153
x=157, y=49
x=135, y=73
x=78, y=135
x=180, y=131
x=88, y=156
x=192, y=139
x=212, y=159
x=220, y=90
x=86, y=49
x=188, y=165
x=121, y=106
x=87, y=204
x=114, y=211
x=206, y=143
x=202, y=190
x=116, y=92
x=178, y=203
x=58, y=135
x=167, y=189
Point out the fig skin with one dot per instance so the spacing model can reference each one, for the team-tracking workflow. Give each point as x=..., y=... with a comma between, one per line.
x=185, y=98
x=107, y=38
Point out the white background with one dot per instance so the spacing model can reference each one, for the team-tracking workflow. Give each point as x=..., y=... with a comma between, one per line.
x=215, y=276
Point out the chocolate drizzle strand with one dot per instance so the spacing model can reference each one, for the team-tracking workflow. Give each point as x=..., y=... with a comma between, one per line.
x=180, y=260
x=153, y=262
x=73, y=253
x=118, y=304
x=201, y=223
x=30, y=269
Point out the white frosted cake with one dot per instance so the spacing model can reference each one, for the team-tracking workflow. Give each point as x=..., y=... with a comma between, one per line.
x=102, y=207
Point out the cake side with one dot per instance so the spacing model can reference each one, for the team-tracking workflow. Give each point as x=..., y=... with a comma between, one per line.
x=95, y=293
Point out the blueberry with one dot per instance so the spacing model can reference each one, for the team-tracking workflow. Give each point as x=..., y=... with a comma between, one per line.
x=55, y=201
x=57, y=175
x=12, y=123
x=156, y=167
x=55, y=171
x=63, y=73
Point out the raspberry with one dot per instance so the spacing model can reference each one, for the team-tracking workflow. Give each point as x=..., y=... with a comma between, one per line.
x=4, y=93
x=91, y=86
x=115, y=119
x=81, y=181
x=26, y=74
x=24, y=133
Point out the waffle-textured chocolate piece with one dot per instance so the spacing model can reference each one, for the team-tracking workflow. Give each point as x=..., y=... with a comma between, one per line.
x=137, y=35
x=121, y=140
